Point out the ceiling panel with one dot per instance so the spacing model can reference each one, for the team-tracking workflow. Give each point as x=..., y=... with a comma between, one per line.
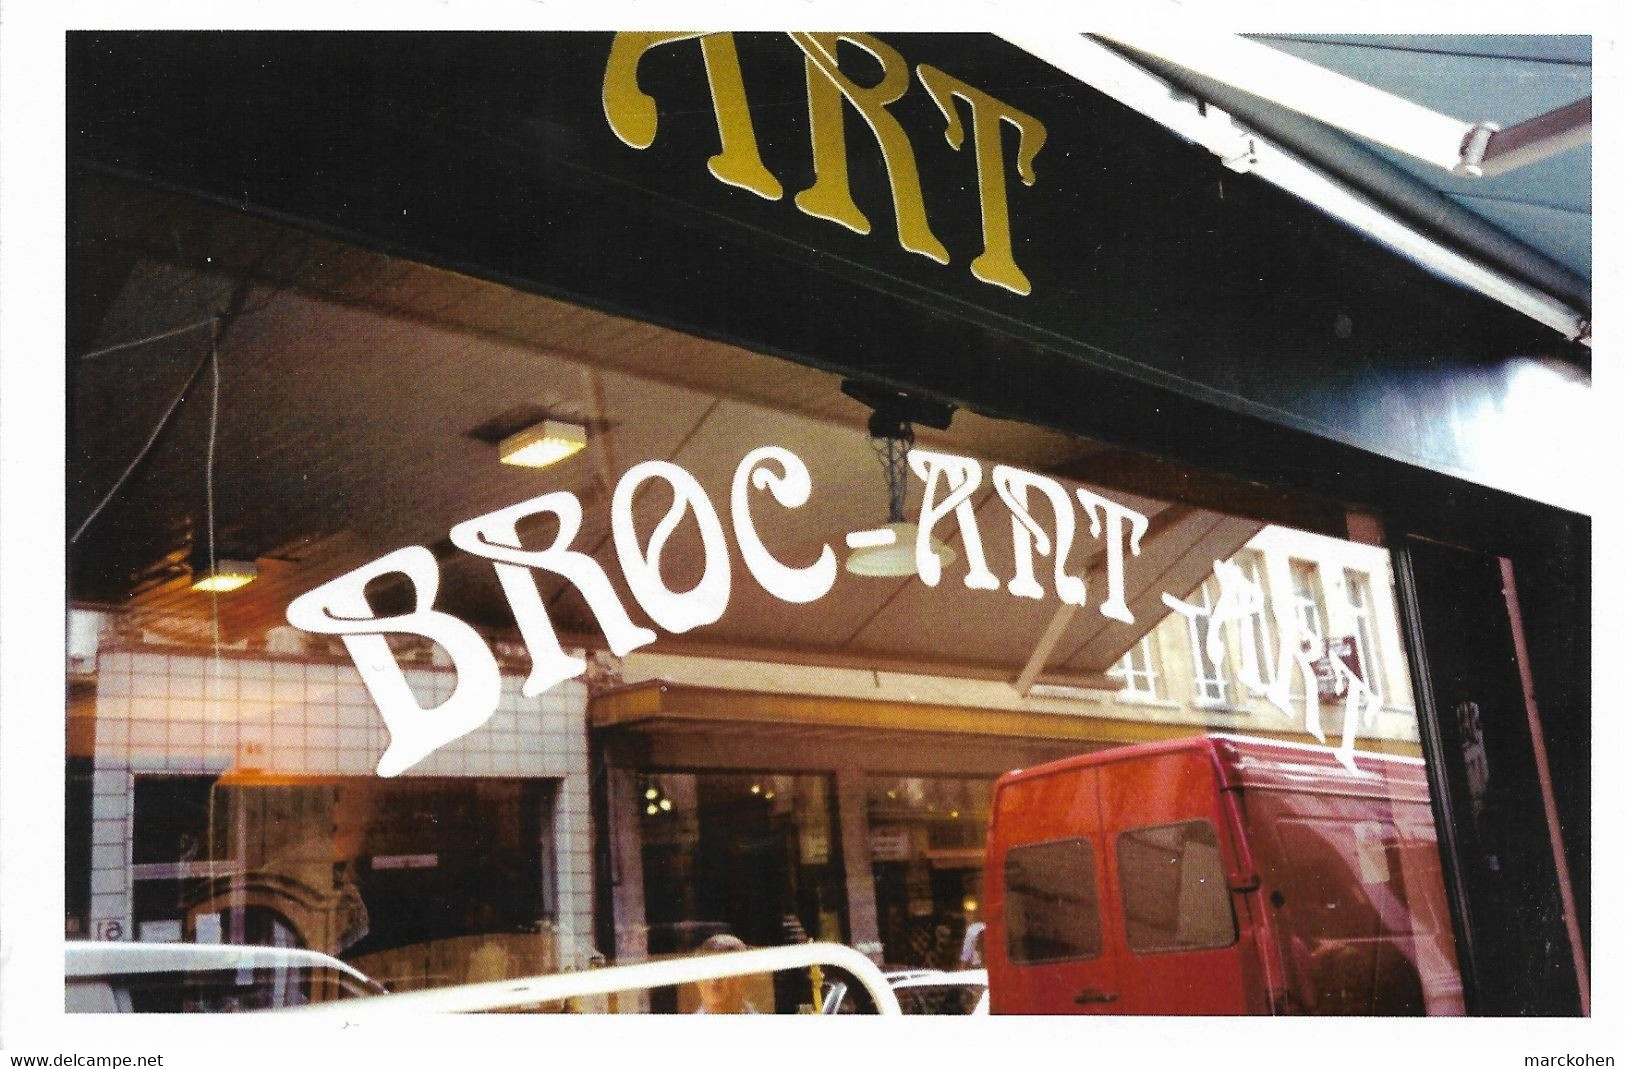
x=348, y=429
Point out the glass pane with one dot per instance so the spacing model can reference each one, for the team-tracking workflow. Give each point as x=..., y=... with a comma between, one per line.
x=1174, y=891
x=1051, y=906
x=689, y=681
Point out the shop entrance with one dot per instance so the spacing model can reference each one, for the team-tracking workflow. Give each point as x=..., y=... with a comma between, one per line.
x=752, y=855
x=927, y=836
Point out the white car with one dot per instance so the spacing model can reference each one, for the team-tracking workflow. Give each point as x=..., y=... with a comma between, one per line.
x=204, y=978
x=961, y=991
x=921, y=991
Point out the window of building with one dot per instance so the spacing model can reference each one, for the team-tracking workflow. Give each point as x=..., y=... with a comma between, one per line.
x=1174, y=892
x=1308, y=603
x=419, y=882
x=1257, y=635
x=1208, y=675
x=1358, y=587
x=1051, y=906
x=684, y=786
x=1138, y=671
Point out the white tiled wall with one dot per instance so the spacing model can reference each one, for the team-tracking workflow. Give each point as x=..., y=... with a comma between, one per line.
x=181, y=712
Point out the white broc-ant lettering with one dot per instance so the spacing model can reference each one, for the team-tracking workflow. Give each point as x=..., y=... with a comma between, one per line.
x=340, y=607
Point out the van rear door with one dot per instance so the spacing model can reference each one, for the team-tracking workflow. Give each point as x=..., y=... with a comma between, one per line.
x=1045, y=950
x=1169, y=854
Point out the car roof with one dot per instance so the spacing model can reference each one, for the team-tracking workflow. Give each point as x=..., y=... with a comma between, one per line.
x=84, y=959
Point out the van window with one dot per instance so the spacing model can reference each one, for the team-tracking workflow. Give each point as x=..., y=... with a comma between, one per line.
x=1174, y=891
x=1052, y=911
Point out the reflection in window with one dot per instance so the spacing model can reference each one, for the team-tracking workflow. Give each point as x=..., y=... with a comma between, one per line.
x=1174, y=891
x=1051, y=909
x=1256, y=630
x=927, y=846
x=1211, y=685
x=1138, y=670
x=1308, y=608
x=754, y=855
x=1358, y=586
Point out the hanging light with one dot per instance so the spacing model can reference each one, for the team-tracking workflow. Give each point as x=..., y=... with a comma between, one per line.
x=890, y=551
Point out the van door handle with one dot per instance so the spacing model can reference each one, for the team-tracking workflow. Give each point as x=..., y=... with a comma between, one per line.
x=1089, y=994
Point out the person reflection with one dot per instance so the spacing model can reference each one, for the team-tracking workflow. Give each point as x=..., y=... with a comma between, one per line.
x=725, y=994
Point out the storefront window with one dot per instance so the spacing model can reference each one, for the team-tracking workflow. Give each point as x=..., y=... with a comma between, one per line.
x=714, y=670
x=424, y=883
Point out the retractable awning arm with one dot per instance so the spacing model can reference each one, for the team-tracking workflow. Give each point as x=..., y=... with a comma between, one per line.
x=1448, y=142
x=1469, y=149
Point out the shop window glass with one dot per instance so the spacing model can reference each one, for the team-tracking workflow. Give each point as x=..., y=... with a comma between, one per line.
x=1174, y=892
x=418, y=883
x=1076, y=604
x=1051, y=906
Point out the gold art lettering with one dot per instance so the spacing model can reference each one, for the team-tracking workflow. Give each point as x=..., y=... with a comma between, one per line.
x=634, y=117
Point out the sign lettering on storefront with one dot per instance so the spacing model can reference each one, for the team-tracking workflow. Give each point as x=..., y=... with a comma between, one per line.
x=1322, y=669
x=634, y=117
x=340, y=607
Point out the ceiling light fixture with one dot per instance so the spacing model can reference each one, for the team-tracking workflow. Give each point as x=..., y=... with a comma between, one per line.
x=224, y=575
x=541, y=444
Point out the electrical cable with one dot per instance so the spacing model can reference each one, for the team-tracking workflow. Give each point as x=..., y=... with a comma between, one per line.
x=223, y=322
x=152, y=438
x=152, y=338
x=208, y=483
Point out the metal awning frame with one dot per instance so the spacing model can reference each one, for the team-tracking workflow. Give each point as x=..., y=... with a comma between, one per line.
x=1367, y=111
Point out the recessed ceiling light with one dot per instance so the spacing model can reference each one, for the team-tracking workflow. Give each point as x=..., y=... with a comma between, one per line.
x=547, y=442
x=224, y=575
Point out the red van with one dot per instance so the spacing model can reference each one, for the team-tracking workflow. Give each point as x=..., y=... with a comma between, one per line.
x=1217, y=875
